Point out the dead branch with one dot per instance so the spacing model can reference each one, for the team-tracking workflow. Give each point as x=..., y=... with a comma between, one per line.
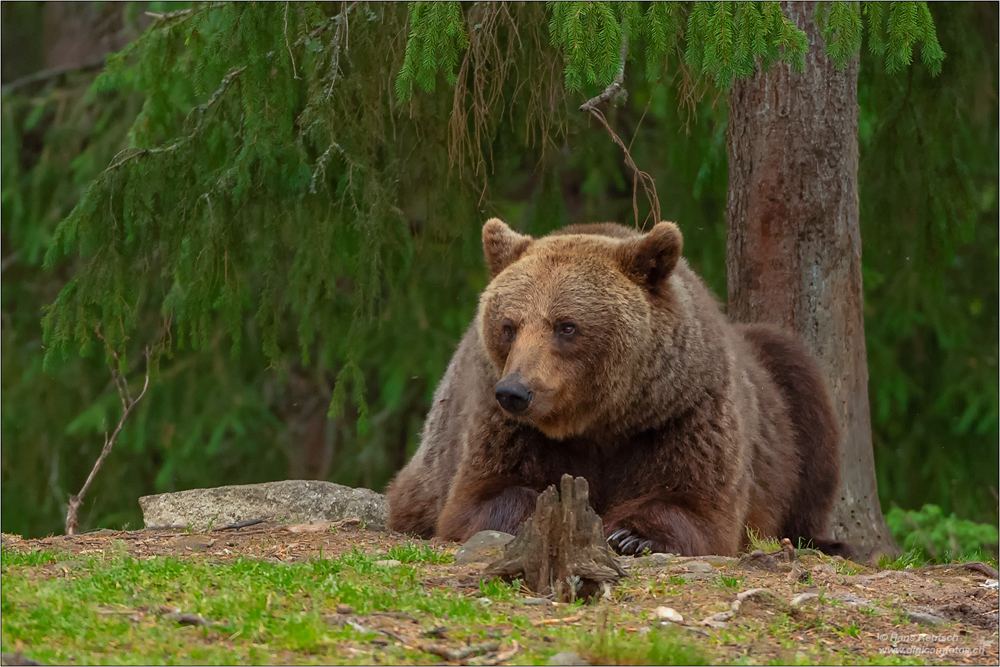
x=199, y=110
x=121, y=383
x=615, y=90
x=975, y=566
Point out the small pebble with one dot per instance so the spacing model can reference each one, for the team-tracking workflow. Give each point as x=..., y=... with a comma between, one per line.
x=925, y=619
x=661, y=560
x=802, y=598
x=567, y=658
x=537, y=602
x=753, y=592
x=669, y=614
x=388, y=563
x=345, y=609
x=699, y=566
x=721, y=616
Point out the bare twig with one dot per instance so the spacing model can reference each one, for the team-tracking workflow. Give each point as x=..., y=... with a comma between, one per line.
x=73, y=508
x=616, y=90
x=638, y=176
x=237, y=526
x=46, y=75
x=295, y=74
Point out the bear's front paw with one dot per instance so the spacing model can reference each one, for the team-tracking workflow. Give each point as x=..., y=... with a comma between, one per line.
x=626, y=543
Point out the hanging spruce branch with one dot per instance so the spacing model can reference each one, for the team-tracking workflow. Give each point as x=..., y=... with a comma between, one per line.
x=262, y=187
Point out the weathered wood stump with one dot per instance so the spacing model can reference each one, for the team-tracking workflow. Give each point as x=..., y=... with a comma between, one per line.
x=561, y=550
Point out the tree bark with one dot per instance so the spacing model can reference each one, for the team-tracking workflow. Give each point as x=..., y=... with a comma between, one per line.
x=560, y=550
x=793, y=254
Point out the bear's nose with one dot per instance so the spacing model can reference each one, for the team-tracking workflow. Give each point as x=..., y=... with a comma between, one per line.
x=513, y=396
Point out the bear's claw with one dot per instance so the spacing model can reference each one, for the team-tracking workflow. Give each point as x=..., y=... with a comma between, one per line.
x=625, y=543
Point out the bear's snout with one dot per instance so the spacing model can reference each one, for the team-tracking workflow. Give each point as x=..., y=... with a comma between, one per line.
x=513, y=396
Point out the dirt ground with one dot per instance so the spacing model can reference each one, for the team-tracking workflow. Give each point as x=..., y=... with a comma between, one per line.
x=873, y=615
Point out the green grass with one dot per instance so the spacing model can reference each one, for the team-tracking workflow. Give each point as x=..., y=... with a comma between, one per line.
x=108, y=608
x=11, y=557
x=422, y=553
x=731, y=582
x=660, y=646
x=911, y=559
x=758, y=543
x=262, y=609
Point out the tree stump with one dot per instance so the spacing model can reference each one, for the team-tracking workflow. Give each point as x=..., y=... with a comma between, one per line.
x=561, y=549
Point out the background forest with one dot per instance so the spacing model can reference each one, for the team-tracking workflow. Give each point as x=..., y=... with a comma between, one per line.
x=333, y=374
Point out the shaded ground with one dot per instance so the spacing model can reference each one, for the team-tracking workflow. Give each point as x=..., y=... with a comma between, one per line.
x=349, y=595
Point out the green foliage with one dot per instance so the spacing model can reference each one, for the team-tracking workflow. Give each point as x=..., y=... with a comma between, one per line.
x=726, y=39
x=718, y=40
x=927, y=177
x=895, y=33
x=255, y=184
x=437, y=34
x=723, y=40
x=932, y=535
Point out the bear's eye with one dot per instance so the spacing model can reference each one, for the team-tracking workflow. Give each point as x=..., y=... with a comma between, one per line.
x=566, y=329
x=507, y=330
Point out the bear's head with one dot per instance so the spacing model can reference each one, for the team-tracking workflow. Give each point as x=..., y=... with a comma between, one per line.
x=568, y=320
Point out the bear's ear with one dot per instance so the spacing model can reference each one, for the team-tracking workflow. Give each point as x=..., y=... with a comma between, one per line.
x=649, y=259
x=502, y=246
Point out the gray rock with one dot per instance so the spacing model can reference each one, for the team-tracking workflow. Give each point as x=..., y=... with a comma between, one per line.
x=802, y=598
x=699, y=566
x=658, y=560
x=823, y=568
x=925, y=619
x=536, y=602
x=297, y=501
x=852, y=599
x=484, y=546
x=566, y=658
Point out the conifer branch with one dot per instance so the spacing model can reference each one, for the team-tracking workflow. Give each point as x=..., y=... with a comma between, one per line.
x=184, y=14
x=199, y=110
x=614, y=89
x=128, y=403
x=338, y=44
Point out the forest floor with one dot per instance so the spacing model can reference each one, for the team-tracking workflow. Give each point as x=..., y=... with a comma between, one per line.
x=343, y=594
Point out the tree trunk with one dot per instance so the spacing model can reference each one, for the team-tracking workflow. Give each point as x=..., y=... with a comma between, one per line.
x=793, y=253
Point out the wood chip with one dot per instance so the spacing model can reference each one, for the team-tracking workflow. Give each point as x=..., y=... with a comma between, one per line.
x=499, y=658
x=553, y=621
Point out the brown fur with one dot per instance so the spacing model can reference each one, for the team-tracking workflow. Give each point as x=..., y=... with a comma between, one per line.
x=687, y=428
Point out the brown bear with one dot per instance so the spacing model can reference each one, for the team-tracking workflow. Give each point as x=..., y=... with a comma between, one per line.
x=596, y=351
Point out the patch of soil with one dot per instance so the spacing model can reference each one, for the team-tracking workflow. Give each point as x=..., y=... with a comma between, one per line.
x=864, y=616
